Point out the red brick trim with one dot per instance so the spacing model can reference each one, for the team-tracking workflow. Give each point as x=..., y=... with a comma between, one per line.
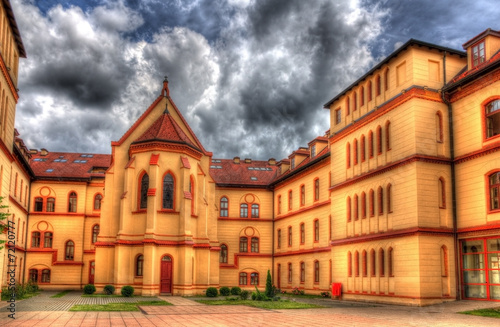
x=308, y=251
x=302, y=210
x=236, y=259
x=17, y=204
x=492, y=148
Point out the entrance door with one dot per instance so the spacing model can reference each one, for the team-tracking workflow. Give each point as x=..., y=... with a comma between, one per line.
x=91, y=272
x=166, y=275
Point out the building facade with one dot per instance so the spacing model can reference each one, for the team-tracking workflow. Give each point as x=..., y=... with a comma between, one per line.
x=398, y=201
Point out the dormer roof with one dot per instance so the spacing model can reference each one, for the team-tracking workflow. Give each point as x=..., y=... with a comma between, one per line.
x=480, y=36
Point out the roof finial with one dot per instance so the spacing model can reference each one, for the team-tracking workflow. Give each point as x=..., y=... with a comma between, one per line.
x=166, y=109
x=165, y=91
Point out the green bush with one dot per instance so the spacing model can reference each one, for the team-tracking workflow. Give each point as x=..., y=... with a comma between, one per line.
x=22, y=291
x=109, y=289
x=89, y=289
x=127, y=291
x=235, y=290
x=269, y=285
x=244, y=294
x=212, y=292
x=224, y=291
x=258, y=296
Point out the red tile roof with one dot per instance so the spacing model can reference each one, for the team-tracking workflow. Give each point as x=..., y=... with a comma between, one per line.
x=464, y=72
x=257, y=173
x=65, y=165
x=307, y=161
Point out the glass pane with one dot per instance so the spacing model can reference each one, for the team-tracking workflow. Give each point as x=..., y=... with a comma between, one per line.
x=473, y=261
x=475, y=291
x=494, y=198
x=475, y=276
x=493, y=244
x=494, y=260
x=495, y=292
x=472, y=246
x=494, y=276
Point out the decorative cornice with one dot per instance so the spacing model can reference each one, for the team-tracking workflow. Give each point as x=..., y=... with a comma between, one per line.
x=307, y=251
x=163, y=146
x=492, y=148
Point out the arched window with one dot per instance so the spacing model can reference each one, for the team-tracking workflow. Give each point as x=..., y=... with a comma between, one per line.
x=279, y=239
x=97, y=201
x=243, y=210
x=243, y=244
x=95, y=233
x=442, y=192
x=370, y=144
x=69, y=251
x=224, y=207
x=168, y=192
x=386, y=79
x=494, y=185
x=492, y=118
x=35, y=239
x=347, y=106
x=362, y=96
x=254, y=278
x=45, y=276
x=51, y=204
x=290, y=198
x=389, y=198
x=254, y=246
x=349, y=264
x=371, y=203
x=439, y=127
x=363, y=205
x=381, y=262
x=379, y=140
x=348, y=208
x=255, y=210
x=444, y=261
x=15, y=186
x=355, y=102
x=72, y=202
x=316, y=271
x=192, y=188
x=34, y=275
x=139, y=265
x=355, y=151
x=38, y=204
x=223, y=253
x=356, y=263
x=356, y=207
x=362, y=148
x=378, y=86
x=380, y=200
x=390, y=259
x=143, y=194
x=302, y=272
x=316, y=189
x=302, y=195
x=243, y=278
x=289, y=235
x=316, y=230
x=348, y=155
x=47, y=239
x=369, y=91
x=373, y=263
x=365, y=264
x=289, y=272
x=388, y=135
x=279, y=204
x=302, y=233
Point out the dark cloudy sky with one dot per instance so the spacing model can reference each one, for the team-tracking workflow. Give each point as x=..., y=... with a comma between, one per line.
x=250, y=77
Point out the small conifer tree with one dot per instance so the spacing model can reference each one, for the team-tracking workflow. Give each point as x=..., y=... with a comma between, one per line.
x=269, y=285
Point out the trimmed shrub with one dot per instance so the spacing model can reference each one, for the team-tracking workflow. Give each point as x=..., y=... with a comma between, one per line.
x=212, y=292
x=244, y=294
x=235, y=290
x=224, y=291
x=127, y=291
x=109, y=289
x=89, y=289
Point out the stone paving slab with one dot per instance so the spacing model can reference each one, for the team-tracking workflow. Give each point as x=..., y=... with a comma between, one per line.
x=200, y=310
x=178, y=300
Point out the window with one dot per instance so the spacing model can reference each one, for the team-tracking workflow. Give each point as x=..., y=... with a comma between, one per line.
x=313, y=151
x=254, y=278
x=72, y=202
x=316, y=271
x=373, y=269
x=243, y=278
x=362, y=96
x=97, y=202
x=381, y=262
x=316, y=230
x=302, y=195
x=388, y=135
x=347, y=106
x=338, y=116
x=348, y=208
x=365, y=264
x=243, y=244
x=389, y=198
x=139, y=265
x=47, y=239
x=290, y=198
x=355, y=102
x=193, y=195
x=21, y=192
x=34, y=275
x=439, y=127
x=348, y=155
x=38, y=204
x=254, y=246
x=362, y=148
x=363, y=205
x=279, y=238
x=478, y=55
x=442, y=193
x=390, y=260
x=51, y=204
x=289, y=235
x=35, y=239
x=380, y=200
x=386, y=79
x=289, y=272
x=355, y=149
x=316, y=189
x=95, y=233
x=223, y=253
x=371, y=203
x=349, y=264
x=69, y=250
x=356, y=263
x=255, y=210
x=302, y=233
x=279, y=204
x=444, y=261
x=369, y=90
x=143, y=194
x=493, y=118
x=243, y=210
x=379, y=140
x=224, y=207
x=494, y=184
x=168, y=192
x=370, y=144
x=302, y=272
x=378, y=85
x=15, y=186
x=356, y=206
x=293, y=163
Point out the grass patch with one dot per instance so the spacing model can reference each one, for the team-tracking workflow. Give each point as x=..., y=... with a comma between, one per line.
x=102, y=295
x=303, y=296
x=276, y=305
x=58, y=295
x=493, y=313
x=121, y=306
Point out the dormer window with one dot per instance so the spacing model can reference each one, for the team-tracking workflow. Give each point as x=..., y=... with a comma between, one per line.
x=478, y=54
x=313, y=151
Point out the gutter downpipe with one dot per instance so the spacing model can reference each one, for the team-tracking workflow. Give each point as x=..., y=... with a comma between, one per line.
x=453, y=183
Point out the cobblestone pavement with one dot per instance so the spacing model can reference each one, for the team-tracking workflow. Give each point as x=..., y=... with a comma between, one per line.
x=186, y=312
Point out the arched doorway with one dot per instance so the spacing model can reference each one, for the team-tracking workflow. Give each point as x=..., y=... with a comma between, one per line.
x=166, y=274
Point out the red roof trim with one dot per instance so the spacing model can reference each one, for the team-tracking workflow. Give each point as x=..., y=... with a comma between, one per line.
x=185, y=163
x=154, y=159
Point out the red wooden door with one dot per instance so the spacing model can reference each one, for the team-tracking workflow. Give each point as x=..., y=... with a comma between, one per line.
x=91, y=272
x=166, y=275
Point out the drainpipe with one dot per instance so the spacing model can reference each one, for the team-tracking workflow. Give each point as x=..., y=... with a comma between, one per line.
x=453, y=183
x=272, y=245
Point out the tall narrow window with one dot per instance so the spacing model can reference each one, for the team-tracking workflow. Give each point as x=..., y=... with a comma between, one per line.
x=439, y=127
x=381, y=262
x=348, y=155
x=290, y=198
x=224, y=207
x=302, y=233
x=69, y=251
x=363, y=205
x=302, y=195
x=21, y=192
x=478, y=54
x=355, y=102
x=47, y=239
x=349, y=264
x=279, y=239
x=255, y=210
x=38, y=204
x=356, y=263
x=347, y=106
x=302, y=272
x=192, y=189
x=442, y=192
x=380, y=200
x=492, y=118
x=289, y=235
x=348, y=208
x=254, y=245
x=316, y=189
x=365, y=264
x=390, y=259
x=362, y=148
x=243, y=244
x=371, y=203
x=444, y=261
x=254, y=278
x=168, y=192
x=243, y=210
x=316, y=271
x=369, y=91
x=379, y=140
x=373, y=268
x=370, y=144
x=494, y=185
x=243, y=278
x=95, y=233
x=143, y=195
x=45, y=276
x=386, y=79
x=97, y=202
x=388, y=135
x=223, y=253
x=356, y=207
x=378, y=86
x=279, y=204
x=72, y=202
x=355, y=151
x=338, y=116
x=33, y=275
x=139, y=265
x=51, y=204
x=316, y=230
x=35, y=239
x=289, y=272
x=15, y=186
x=389, y=198
x=362, y=96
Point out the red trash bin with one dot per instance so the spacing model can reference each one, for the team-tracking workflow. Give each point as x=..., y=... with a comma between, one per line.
x=336, y=290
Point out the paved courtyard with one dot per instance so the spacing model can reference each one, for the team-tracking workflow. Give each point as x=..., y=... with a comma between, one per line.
x=45, y=311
